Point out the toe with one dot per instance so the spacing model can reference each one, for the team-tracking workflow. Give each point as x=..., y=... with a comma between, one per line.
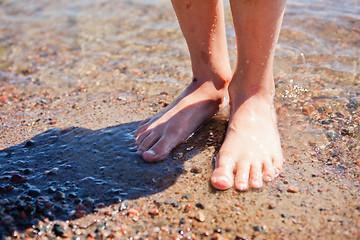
x=143, y=126
x=148, y=142
x=255, y=179
x=277, y=163
x=242, y=175
x=140, y=138
x=268, y=171
x=223, y=175
x=161, y=148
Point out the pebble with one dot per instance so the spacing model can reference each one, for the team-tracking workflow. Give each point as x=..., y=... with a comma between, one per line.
x=79, y=213
x=29, y=143
x=58, y=230
x=196, y=169
x=352, y=106
x=123, y=205
x=72, y=195
x=200, y=216
x=80, y=207
x=59, y=195
x=258, y=228
x=18, y=179
x=7, y=219
x=154, y=211
x=34, y=192
x=88, y=202
x=293, y=189
x=51, y=189
x=133, y=212
x=241, y=238
x=216, y=236
x=186, y=196
x=331, y=135
x=200, y=205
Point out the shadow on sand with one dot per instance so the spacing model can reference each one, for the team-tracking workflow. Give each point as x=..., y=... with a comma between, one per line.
x=66, y=173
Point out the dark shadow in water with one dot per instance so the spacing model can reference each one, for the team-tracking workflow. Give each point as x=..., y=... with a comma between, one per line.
x=50, y=174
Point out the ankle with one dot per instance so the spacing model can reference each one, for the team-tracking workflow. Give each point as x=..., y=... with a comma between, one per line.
x=240, y=92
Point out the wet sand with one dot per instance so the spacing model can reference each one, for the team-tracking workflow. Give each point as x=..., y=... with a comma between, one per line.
x=73, y=89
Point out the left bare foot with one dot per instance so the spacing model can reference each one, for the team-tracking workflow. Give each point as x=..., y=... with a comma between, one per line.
x=252, y=148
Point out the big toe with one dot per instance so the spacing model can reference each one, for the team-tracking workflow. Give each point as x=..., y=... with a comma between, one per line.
x=223, y=176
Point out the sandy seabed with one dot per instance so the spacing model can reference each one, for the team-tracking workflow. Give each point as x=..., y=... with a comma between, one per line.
x=71, y=100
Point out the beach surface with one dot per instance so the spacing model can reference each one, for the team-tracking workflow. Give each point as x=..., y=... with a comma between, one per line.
x=77, y=77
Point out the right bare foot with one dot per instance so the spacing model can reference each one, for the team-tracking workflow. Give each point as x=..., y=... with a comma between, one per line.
x=159, y=134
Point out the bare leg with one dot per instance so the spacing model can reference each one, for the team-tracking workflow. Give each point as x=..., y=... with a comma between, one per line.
x=204, y=30
x=252, y=148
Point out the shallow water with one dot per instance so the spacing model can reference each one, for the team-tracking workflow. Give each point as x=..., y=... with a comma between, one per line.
x=56, y=48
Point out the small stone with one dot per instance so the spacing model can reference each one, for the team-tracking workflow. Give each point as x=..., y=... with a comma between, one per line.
x=258, y=228
x=48, y=204
x=133, y=212
x=293, y=189
x=34, y=192
x=196, y=169
x=331, y=135
x=53, y=171
x=29, y=143
x=17, y=179
x=186, y=196
x=59, y=195
x=350, y=131
x=217, y=230
x=79, y=213
x=58, y=230
x=80, y=207
x=51, y=189
x=270, y=205
x=7, y=219
x=216, y=236
x=72, y=194
x=100, y=205
x=182, y=221
x=241, y=238
x=154, y=211
x=352, y=106
x=123, y=205
x=200, y=205
x=200, y=216
x=283, y=215
x=88, y=202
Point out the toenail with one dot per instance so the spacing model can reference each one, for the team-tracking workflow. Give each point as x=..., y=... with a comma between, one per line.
x=242, y=186
x=268, y=179
x=256, y=184
x=222, y=182
x=139, y=152
x=277, y=172
x=152, y=152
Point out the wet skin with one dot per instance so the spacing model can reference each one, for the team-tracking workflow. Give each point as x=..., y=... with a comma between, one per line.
x=251, y=152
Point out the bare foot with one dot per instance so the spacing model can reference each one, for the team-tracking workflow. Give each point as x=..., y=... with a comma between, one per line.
x=252, y=148
x=159, y=134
